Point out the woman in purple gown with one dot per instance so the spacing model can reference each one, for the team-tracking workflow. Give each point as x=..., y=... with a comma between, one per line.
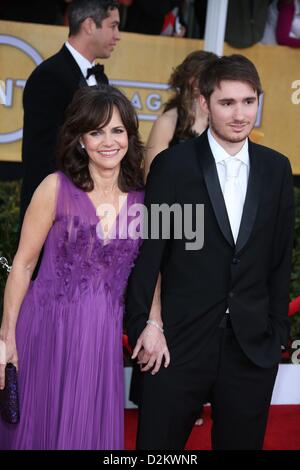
x=64, y=329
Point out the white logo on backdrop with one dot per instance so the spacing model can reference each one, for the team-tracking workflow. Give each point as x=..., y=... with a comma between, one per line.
x=10, y=83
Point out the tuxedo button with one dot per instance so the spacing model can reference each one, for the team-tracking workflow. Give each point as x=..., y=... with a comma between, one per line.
x=236, y=261
x=231, y=294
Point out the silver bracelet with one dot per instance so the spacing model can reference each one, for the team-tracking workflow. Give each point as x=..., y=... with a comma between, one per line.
x=154, y=323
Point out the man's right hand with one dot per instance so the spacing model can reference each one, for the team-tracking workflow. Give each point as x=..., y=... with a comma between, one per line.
x=150, y=349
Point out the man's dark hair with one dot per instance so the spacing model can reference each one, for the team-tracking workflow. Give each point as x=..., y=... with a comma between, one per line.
x=234, y=67
x=98, y=10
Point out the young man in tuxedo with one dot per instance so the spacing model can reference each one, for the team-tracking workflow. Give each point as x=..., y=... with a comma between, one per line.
x=224, y=306
x=93, y=33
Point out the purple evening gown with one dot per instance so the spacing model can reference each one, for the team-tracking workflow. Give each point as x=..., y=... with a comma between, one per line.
x=69, y=333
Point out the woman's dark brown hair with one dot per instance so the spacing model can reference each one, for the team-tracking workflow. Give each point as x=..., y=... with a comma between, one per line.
x=182, y=82
x=92, y=108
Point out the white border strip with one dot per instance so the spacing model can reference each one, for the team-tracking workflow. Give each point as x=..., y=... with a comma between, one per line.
x=134, y=84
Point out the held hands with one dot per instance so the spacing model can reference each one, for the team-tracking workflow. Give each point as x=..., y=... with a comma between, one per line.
x=150, y=348
x=8, y=353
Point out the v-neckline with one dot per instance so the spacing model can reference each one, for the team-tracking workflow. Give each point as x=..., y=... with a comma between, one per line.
x=114, y=225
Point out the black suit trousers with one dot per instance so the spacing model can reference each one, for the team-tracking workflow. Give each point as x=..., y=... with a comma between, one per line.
x=240, y=394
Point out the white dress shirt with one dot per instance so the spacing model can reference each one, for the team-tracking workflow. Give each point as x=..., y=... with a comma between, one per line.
x=83, y=63
x=220, y=155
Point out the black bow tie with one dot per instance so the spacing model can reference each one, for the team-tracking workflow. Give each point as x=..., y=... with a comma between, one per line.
x=98, y=71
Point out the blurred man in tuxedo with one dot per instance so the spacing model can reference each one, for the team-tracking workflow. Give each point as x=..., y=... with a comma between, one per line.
x=224, y=306
x=93, y=33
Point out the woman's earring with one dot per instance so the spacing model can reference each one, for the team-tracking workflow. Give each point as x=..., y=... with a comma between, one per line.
x=82, y=145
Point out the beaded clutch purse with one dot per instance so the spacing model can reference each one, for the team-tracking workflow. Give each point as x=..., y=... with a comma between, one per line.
x=9, y=397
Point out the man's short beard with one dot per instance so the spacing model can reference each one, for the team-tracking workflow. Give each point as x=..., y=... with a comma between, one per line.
x=228, y=139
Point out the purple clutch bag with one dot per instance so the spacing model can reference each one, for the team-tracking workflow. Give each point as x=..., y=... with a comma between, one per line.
x=9, y=397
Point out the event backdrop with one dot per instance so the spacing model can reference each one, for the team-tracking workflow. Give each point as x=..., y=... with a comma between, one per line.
x=141, y=66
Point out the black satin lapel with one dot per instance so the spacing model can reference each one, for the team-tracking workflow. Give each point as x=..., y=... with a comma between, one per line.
x=213, y=186
x=82, y=82
x=78, y=78
x=252, y=199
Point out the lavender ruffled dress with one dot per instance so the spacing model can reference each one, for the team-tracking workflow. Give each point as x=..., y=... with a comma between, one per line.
x=69, y=333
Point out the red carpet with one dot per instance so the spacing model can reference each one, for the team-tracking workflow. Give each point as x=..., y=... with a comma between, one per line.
x=283, y=431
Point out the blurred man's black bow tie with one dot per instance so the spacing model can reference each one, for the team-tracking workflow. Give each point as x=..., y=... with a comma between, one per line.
x=98, y=71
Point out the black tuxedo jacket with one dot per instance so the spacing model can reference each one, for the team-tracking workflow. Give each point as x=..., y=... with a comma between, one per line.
x=48, y=92
x=251, y=277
